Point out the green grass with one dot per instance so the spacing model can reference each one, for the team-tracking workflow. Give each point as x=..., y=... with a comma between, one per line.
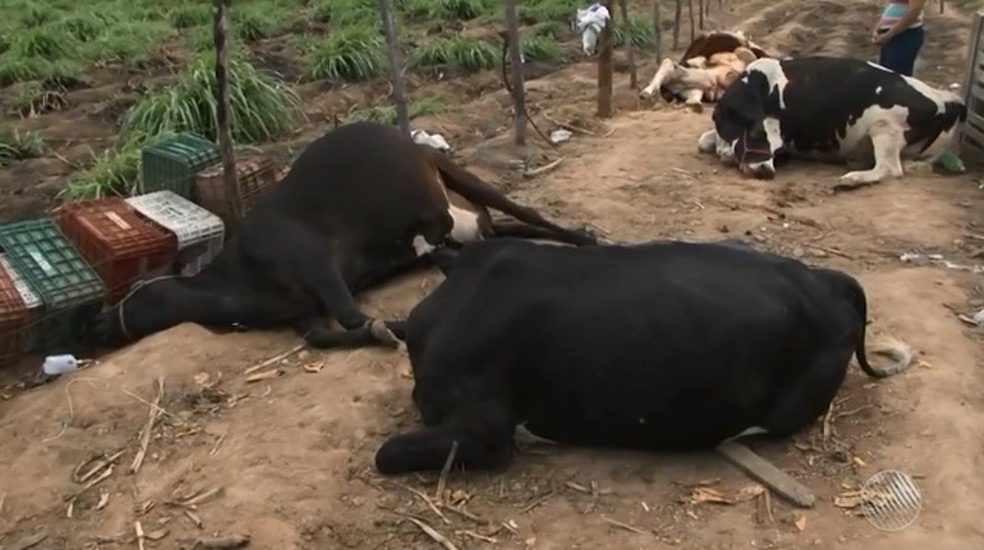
x=345, y=13
x=263, y=107
x=255, y=22
x=464, y=53
x=387, y=114
x=16, y=145
x=540, y=48
x=31, y=98
x=46, y=47
x=191, y=15
x=352, y=54
x=639, y=32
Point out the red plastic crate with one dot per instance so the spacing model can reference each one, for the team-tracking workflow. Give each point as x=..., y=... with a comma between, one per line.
x=117, y=241
x=13, y=321
x=257, y=176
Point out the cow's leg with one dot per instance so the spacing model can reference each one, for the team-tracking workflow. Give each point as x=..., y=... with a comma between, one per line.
x=809, y=395
x=888, y=141
x=307, y=258
x=667, y=70
x=511, y=228
x=484, y=432
x=694, y=98
x=317, y=334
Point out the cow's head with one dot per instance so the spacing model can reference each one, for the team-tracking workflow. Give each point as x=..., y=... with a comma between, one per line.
x=431, y=230
x=750, y=137
x=146, y=309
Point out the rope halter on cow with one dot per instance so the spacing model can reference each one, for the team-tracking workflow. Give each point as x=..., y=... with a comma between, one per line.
x=133, y=290
x=745, y=149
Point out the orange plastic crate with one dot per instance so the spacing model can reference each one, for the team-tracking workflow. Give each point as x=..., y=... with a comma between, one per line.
x=13, y=321
x=117, y=241
x=257, y=176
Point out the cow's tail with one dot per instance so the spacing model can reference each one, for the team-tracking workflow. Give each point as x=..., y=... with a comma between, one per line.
x=472, y=188
x=893, y=348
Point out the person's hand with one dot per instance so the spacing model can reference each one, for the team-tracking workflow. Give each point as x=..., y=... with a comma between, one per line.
x=880, y=39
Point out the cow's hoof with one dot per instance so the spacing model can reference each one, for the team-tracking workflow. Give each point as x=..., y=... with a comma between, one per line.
x=696, y=107
x=645, y=95
x=382, y=334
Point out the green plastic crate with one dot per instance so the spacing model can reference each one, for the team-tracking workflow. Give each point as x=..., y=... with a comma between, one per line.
x=171, y=165
x=69, y=288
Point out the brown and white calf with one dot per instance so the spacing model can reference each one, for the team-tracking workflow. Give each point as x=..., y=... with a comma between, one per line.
x=711, y=63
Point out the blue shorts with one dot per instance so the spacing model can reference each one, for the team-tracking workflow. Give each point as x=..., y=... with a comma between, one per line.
x=900, y=53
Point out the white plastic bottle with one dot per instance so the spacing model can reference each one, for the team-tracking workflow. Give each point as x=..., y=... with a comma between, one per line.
x=60, y=364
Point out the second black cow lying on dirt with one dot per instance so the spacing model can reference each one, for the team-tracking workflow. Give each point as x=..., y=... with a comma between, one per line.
x=666, y=345
x=361, y=204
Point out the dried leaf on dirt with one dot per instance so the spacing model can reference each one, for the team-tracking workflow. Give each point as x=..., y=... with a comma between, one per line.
x=800, y=523
x=201, y=378
x=706, y=494
x=859, y=461
x=314, y=367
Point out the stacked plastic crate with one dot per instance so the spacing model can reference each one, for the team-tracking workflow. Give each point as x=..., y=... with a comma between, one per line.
x=13, y=320
x=199, y=234
x=256, y=175
x=172, y=165
x=71, y=292
x=117, y=241
x=35, y=311
x=56, y=275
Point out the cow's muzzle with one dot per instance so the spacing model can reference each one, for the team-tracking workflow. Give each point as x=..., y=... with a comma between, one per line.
x=764, y=170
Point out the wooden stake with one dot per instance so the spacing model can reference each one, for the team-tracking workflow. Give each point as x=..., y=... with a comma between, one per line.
x=518, y=87
x=605, y=67
x=223, y=113
x=396, y=67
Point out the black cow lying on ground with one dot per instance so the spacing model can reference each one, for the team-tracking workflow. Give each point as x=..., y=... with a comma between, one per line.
x=361, y=204
x=665, y=345
x=828, y=108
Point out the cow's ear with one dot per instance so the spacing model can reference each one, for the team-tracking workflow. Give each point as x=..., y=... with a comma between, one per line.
x=743, y=100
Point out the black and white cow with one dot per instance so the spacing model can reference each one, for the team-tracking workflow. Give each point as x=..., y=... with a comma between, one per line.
x=663, y=345
x=828, y=108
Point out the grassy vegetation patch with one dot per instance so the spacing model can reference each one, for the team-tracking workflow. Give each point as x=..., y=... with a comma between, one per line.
x=255, y=22
x=387, y=114
x=461, y=10
x=346, y=13
x=191, y=15
x=464, y=53
x=263, y=107
x=32, y=99
x=351, y=54
x=540, y=48
x=639, y=32
x=16, y=145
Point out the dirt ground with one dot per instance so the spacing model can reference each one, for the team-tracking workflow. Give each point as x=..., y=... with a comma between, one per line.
x=288, y=460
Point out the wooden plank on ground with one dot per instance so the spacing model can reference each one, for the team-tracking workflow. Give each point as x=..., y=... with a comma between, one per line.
x=767, y=474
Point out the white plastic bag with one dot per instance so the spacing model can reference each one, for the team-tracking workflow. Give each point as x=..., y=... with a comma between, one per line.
x=589, y=22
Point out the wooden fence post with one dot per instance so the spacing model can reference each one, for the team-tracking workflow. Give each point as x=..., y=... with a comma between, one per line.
x=693, y=27
x=633, y=75
x=396, y=67
x=516, y=60
x=223, y=113
x=605, y=66
x=676, y=24
x=658, y=30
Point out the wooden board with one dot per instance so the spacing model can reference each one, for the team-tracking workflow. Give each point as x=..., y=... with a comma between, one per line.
x=973, y=80
x=767, y=474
